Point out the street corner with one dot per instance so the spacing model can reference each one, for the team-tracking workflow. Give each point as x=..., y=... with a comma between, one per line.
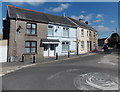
x=110, y=59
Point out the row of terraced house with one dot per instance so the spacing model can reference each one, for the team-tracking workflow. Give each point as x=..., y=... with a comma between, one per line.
x=35, y=33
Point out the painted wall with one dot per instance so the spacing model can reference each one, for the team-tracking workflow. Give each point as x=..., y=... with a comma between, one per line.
x=59, y=35
x=86, y=38
x=3, y=50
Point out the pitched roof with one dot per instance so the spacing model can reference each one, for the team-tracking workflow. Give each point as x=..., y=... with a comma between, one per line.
x=20, y=13
x=82, y=24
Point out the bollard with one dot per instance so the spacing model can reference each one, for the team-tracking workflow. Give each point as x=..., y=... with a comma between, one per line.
x=9, y=60
x=34, y=59
x=22, y=58
x=56, y=56
x=68, y=54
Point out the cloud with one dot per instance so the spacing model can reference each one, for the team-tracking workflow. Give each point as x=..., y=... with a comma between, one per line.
x=96, y=21
x=100, y=17
x=60, y=8
x=86, y=18
x=112, y=21
x=102, y=28
x=82, y=11
x=21, y=2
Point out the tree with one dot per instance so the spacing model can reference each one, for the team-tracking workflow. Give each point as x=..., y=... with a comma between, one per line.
x=114, y=40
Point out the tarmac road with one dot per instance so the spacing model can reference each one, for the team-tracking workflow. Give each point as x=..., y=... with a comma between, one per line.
x=81, y=73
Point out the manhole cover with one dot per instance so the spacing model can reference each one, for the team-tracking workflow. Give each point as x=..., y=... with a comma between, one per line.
x=96, y=81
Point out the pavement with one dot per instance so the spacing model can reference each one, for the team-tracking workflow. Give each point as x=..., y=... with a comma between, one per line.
x=13, y=66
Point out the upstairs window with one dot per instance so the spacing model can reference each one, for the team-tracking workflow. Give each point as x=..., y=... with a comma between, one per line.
x=66, y=32
x=90, y=34
x=94, y=34
x=50, y=30
x=30, y=47
x=87, y=33
x=31, y=29
x=82, y=32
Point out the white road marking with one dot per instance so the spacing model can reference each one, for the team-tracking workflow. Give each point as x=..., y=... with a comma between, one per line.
x=96, y=81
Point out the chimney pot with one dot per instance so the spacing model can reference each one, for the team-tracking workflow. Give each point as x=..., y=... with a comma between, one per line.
x=86, y=22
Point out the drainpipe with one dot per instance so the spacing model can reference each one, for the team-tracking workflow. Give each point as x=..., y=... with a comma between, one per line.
x=15, y=29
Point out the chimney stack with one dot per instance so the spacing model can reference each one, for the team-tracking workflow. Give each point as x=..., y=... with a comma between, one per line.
x=80, y=20
x=86, y=22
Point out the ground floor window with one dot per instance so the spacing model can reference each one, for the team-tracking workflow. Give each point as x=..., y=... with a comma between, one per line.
x=82, y=45
x=30, y=47
x=65, y=46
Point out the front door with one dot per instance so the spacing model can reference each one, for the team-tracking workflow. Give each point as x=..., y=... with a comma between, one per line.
x=46, y=50
x=49, y=50
x=90, y=46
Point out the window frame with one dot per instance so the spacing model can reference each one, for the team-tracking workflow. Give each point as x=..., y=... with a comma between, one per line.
x=82, y=32
x=65, y=29
x=87, y=33
x=90, y=34
x=52, y=29
x=65, y=45
x=30, y=47
x=82, y=45
x=31, y=28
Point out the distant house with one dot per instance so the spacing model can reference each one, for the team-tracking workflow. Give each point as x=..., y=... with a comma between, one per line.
x=35, y=33
x=101, y=41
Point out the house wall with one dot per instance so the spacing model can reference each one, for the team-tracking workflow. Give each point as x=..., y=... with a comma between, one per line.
x=59, y=35
x=84, y=38
x=17, y=39
x=3, y=50
x=87, y=39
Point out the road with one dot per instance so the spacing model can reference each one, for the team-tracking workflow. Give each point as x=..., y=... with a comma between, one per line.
x=81, y=73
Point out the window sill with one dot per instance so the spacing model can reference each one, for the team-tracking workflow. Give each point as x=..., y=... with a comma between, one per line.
x=30, y=34
x=29, y=53
x=64, y=51
x=65, y=37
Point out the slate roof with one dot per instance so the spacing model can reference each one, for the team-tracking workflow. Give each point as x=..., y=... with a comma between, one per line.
x=82, y=24
x=26, y=14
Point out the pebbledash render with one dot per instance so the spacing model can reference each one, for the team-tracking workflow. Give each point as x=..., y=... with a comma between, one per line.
x=35, y=33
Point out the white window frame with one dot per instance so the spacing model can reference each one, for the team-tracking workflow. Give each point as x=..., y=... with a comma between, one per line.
x=82, y=45
x=65, y=29
x=51, y=29
x=82, y=32
x=63, y=50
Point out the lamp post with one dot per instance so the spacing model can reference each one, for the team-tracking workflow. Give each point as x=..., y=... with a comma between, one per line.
x=77, y=42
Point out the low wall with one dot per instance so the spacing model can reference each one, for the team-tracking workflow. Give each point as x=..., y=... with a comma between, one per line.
x=3, y=51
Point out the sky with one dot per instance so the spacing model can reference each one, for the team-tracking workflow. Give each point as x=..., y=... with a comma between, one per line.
x=103, y=16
